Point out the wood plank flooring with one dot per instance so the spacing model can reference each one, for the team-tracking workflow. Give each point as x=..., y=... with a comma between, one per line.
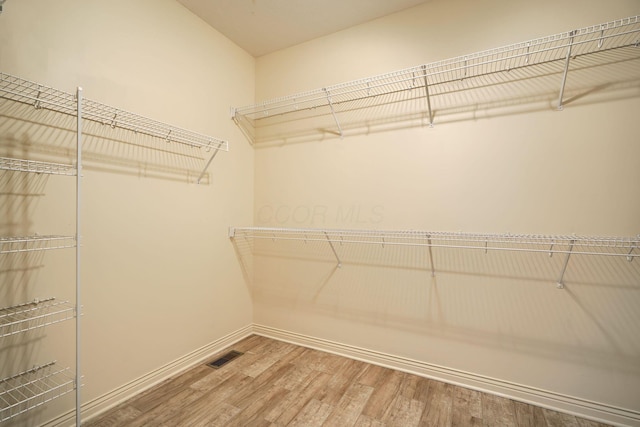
x=279, y=384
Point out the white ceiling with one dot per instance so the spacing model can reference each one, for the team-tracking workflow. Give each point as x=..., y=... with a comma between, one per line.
x=264, y=26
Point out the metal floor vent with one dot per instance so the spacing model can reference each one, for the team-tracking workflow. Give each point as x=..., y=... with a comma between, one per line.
x=223, y=360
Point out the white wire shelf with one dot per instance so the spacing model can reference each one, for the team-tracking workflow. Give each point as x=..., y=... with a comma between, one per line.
x=583, y=245
x=627, y=247
x=10, y=245
x=440, y=84
x=41, y=96
x=27, y=390
x=36, y=314
x=21, y=165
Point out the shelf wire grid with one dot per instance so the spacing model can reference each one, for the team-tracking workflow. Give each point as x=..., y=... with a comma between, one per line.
x=21, y=165
x=491, y=67
x=41, y=96
x=37, y=386
x=36, y=314
x=628, y=247
x=10, y=245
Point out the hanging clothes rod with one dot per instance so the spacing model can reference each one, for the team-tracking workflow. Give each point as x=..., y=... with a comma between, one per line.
x=628, y=247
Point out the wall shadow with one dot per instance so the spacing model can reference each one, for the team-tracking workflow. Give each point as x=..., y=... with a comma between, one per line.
x=498, y=300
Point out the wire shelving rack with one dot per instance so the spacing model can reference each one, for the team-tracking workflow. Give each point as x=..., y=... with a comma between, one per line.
x=27, y=390
x=433, y=86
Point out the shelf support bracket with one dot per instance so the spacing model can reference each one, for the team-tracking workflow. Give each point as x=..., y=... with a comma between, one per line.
x=433, y=268
x=207, y=165
x=36, y=104
x=426, y=89
x=333, y=249
x=333, y=113
x=566, y=70
x=629, y=255
x=560, y=282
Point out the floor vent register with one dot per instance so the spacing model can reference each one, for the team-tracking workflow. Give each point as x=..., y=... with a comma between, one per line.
x=223, y=360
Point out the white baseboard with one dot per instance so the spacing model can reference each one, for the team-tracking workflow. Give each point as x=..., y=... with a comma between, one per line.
x=109, y=400
x=559, y=402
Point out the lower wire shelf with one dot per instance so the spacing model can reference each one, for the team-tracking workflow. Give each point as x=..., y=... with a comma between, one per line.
x=32, y=315
x=10, y=245
x=30, y=389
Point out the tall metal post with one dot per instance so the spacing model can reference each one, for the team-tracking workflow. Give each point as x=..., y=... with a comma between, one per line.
x=78, y=246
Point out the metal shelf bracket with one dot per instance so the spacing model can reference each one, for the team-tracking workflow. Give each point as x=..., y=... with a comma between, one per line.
x=433, y=267
x=566, y=70
x=333, y=249
x=560, y=282
x=207, y=166
x=333, y=112
x=426, y=90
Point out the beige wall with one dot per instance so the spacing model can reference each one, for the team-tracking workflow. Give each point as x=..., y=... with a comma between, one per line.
x=545, y=171
x=159, y=276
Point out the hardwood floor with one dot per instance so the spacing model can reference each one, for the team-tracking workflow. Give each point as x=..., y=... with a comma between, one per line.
x=279, y=384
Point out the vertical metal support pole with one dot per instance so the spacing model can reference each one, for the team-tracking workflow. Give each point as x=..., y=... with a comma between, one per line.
x=566, y=70
x=333, y=249
x=433, y=268
x=426, y=89
x=333, y=111
x=78, y=246
x=560, y=282
x=207, y=166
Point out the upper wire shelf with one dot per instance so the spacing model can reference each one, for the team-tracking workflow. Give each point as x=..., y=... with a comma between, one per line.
x=438, y=84
x=10, y=245
x=33, y=315
x=41, y=96
x=29, y=389
x=50, y=168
